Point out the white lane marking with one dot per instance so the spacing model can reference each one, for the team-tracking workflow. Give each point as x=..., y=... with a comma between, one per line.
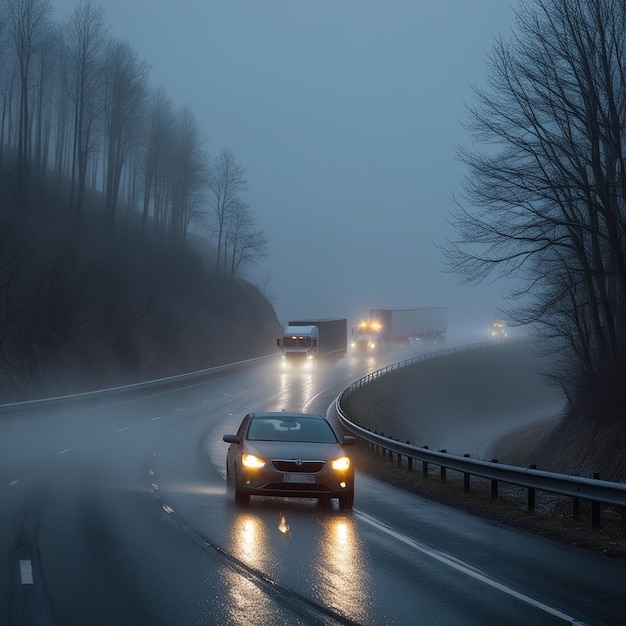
x=65, y=451
x=121, y=430
x=464, y=568
x=26, y=572
x=13, y=482
x=154, y=419
x=177, y=410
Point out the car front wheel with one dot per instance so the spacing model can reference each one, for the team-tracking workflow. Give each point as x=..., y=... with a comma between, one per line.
x=346, y=502
x=241, y=498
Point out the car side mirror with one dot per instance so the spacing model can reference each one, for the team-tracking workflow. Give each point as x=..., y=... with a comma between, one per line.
x=231, y=438
x=348, y=440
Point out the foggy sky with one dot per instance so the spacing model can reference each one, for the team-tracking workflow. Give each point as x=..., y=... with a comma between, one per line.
x=346, y=115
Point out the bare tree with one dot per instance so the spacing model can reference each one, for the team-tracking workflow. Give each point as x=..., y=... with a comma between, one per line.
x=7, y=80
x=4, y=75
x=243, y=243
x=546, y=197
x=226, y=181
x=160, y=126
x=45, y=79
x=29, y=24
x=188, y=171
x=86, y=39
x=125, y=96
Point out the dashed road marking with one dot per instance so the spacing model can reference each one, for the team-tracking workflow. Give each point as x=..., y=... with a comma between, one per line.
x=65, y=451
x=26, y=572
x=154, y=419
x=121, y=430
x=13, y=482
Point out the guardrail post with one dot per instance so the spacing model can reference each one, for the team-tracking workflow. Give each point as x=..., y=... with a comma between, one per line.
x=409, y=459
x=425, y=466
x=442, y=469
x=575, y=506
x=494, y=484
x=595, y=508
x=531, y=493
x=466, y=477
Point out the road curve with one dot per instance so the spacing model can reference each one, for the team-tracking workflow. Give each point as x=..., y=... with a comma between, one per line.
x=116, y=512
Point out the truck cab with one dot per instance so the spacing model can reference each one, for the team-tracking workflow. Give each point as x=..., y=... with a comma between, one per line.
x=367, y=336
x=299, y=344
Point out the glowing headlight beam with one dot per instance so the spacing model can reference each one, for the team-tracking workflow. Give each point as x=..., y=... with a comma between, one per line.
x=342, y=463
x=252, y=462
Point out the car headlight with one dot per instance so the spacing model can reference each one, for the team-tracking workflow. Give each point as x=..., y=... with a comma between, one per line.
x=342, y=463
x=252, y=462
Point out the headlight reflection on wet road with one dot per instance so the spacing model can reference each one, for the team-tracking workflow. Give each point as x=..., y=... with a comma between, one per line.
x=344, y=586
x=250, y=545
x=294, y=389
x=330, y=572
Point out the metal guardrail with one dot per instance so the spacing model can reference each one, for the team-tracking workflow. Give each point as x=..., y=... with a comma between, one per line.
x=593, y=489
x=159, y=382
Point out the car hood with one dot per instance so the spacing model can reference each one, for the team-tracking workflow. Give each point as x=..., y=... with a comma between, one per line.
x=294, y=450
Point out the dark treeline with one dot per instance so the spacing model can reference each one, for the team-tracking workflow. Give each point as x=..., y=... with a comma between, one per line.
x=105, y=187
x=77, y=106
x=545, y=204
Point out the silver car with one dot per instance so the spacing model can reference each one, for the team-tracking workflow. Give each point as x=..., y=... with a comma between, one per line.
x=290, y=455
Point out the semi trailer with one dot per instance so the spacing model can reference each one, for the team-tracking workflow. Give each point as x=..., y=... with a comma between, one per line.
x=405, y=324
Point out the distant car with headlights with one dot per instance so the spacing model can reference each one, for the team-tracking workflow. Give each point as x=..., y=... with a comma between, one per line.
x=289, y=455
x=499, y=330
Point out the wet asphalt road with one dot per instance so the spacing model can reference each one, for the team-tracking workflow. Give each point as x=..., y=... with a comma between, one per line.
x=115, y=511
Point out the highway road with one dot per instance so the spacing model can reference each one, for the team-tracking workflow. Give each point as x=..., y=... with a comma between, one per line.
x=115, y=511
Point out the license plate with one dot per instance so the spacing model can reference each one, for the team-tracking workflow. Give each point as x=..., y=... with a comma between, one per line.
x=299, y=478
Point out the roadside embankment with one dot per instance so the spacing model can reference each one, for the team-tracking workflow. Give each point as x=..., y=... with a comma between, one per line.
x=491, y=402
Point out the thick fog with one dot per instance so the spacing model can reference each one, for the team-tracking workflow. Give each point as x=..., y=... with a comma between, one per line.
x=346, y=115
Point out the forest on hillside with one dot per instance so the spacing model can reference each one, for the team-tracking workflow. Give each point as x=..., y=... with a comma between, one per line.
x=124, y=248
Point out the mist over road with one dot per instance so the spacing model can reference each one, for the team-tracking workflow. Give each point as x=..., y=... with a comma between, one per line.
x=477, y=401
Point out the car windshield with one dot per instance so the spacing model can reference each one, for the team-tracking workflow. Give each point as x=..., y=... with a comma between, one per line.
x=303, y=429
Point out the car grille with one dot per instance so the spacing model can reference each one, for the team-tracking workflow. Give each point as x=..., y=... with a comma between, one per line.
x=307, y=467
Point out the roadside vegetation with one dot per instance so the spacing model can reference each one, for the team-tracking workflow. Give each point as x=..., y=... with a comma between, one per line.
x=127, y=252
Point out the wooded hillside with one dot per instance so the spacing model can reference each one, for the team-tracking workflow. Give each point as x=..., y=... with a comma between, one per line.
x=81, y=314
